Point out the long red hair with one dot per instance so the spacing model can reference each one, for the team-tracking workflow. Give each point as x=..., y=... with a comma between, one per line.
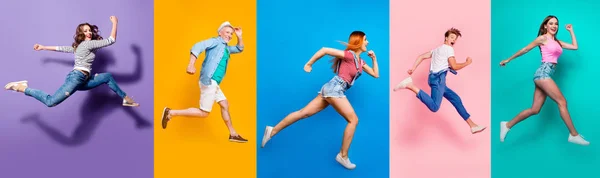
x=355, y=42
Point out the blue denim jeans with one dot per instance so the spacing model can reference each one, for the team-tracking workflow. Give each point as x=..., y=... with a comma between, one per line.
x=75, y=81
x=437, y=82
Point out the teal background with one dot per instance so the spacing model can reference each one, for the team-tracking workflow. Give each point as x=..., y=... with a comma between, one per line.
x=538, y=146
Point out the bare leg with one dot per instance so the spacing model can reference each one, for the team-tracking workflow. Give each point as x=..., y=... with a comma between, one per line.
x=226, y=117
x=539, y=97
x=550, y=88
x=343, y=106
x=312, y=108
x=193, y=112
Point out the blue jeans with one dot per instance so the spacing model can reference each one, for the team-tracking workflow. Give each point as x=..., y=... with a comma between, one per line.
x=437, y=82
x=75, y=81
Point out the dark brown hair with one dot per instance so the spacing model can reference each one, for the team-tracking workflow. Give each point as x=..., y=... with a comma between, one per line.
x=454, y=31
x=80, y=36
x=543, y=31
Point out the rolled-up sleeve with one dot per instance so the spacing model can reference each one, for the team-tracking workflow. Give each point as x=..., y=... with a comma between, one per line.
x=201, y=46
x=235, y=49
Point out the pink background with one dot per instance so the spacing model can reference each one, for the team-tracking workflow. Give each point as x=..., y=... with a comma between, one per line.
x=433, y=145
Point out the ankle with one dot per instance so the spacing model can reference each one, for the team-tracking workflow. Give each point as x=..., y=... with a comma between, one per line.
x=344, y=155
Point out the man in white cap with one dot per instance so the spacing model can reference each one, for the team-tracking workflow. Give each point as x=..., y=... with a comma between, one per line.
x=212, y=73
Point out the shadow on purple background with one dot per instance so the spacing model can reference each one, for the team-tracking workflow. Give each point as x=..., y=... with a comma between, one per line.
x=90, y=134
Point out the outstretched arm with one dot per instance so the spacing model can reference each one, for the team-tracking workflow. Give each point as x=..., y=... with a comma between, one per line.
x=538, y=41
x=65, y=49
x=240, y=44
x=573, y=46
x=375, y=70
x=420, y=59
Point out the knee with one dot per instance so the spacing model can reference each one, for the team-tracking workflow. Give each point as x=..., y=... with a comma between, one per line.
x=224, y=105
x=562, y=103
x=353, y=120
x=435, y=108
x=535, y=111
x=50, y=103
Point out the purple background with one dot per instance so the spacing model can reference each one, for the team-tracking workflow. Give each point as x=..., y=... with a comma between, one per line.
x=112, y=141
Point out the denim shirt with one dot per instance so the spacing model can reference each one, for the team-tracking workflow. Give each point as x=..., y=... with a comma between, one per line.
x=215, y=48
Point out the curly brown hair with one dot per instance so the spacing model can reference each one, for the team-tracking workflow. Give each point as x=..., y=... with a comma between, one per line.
x=80, y=36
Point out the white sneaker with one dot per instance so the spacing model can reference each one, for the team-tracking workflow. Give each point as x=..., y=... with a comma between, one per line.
x=503, y=130
x=13, y=85
x=403, y=84
x=477, y=129
x=578, y=140
x=267, y=136
x=345, y=162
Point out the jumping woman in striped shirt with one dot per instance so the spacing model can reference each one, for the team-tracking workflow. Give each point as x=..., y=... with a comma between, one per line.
x=87, y=41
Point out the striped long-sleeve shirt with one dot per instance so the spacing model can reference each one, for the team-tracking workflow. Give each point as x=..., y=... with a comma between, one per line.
x=84, y=54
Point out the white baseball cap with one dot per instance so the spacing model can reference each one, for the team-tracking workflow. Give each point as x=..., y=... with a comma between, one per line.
x=223, y=25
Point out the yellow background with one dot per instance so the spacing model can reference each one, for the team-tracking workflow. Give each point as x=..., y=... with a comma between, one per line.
x=199, y=147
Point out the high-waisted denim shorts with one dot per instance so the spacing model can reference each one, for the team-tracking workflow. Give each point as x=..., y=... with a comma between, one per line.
x=335, y=88
x=545, y=71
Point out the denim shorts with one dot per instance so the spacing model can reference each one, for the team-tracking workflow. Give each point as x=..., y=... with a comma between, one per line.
x=545, y=71
x=335, y=88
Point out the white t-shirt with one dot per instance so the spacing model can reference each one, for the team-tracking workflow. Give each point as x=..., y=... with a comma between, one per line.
x=439, y=58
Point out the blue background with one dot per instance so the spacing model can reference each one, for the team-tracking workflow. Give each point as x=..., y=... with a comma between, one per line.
x=289, y=34
x=538, y=146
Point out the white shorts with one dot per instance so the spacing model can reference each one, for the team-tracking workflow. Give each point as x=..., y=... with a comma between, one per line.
x=209, y=94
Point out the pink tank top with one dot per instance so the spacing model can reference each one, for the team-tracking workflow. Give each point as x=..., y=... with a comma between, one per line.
x=348, y=69
x=551, y=50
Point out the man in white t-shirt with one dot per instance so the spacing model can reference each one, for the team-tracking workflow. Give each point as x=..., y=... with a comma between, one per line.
x=442, y=61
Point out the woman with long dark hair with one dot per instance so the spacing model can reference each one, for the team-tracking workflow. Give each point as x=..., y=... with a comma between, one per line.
x=348, y=66
x=551, y=48
x=87, y=41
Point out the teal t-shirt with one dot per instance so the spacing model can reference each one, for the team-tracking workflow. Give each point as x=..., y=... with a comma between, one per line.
x=220, y=71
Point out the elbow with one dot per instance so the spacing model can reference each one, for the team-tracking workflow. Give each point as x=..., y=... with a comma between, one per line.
x=376, y=76
x=241, y=48
x=112, y=39
x=453, y=66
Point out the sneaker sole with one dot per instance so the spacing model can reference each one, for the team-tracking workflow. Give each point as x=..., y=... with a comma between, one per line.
x=237, y=141
x=479, y=131
x=403, y=83
x=264, y=137
x=340, y=162
x=164, y=126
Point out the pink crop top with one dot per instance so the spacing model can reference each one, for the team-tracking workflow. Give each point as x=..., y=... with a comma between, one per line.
x=348, y=69
x=551, y=51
